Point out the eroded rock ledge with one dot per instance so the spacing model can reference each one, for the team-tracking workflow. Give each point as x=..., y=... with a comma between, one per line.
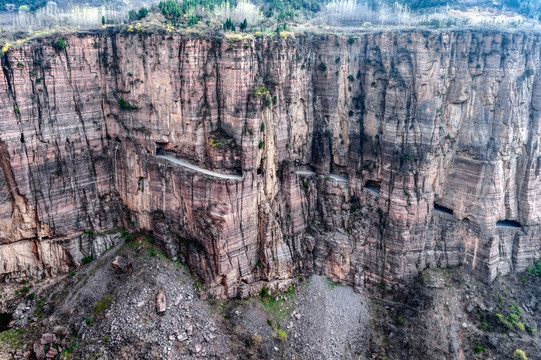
x=364, y=160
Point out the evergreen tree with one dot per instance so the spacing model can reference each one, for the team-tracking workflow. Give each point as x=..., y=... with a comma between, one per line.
x=229, y=25
x=244, y=25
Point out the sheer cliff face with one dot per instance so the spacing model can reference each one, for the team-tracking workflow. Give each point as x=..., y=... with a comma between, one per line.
x=366, y=161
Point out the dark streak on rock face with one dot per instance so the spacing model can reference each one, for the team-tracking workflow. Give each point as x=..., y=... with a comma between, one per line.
x=447, y=116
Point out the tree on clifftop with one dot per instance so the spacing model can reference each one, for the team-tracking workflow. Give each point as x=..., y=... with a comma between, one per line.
x=244, y=25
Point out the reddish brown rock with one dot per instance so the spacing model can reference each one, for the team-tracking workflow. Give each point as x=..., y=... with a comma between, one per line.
x=39, y=350
x=47, y=339
x=51, y=353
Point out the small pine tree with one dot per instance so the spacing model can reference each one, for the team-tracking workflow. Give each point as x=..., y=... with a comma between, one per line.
x=229, y=25
x=244, y=25
x=132, y=15
x=103, y=20
x=143, y=12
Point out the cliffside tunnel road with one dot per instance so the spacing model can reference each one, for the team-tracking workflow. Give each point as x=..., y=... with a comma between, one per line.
x=305, y=172
x=372, y=190
x=338, y=178
x=311, y=173
x=198, y=169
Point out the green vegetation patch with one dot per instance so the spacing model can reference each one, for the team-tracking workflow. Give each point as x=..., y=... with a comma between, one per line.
x=60, y=44
x=12, y=339
x=278, y=307
x=104, y=304
x=40, y=307
x=261, y=92
x=535, y=269
x=126, y=106
x=519, y=355
x=331, y=285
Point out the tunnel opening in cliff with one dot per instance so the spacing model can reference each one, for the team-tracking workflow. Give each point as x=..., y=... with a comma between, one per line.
x=5, y=319
x=442, y=209
x=508, y=224
x=373, y=186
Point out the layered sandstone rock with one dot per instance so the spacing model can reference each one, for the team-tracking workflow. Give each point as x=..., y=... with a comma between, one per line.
x=337, y=170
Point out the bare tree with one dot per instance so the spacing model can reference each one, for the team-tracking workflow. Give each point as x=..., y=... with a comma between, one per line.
x=244, y=10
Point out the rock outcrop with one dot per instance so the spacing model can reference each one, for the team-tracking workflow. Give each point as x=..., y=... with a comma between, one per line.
x=365, y=160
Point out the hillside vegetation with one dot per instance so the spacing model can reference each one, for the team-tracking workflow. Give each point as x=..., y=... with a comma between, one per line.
x=266, y=17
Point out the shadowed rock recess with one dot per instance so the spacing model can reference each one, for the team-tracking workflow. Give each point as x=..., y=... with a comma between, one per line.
x=335, y=170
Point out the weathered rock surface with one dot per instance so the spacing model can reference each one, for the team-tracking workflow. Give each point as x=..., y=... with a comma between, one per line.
x=449, y=118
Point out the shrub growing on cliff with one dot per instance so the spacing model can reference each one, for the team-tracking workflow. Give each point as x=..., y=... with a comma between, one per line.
x=260, y=92
x=479, y=349
x=124, y=105
x=264, y=293
x=535, y=269
x=322, y=67
x=60, y=44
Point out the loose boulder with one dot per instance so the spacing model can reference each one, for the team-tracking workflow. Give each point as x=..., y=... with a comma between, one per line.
x=161, y=303
x=47, y=339
x=39, y=351
x=121, y=265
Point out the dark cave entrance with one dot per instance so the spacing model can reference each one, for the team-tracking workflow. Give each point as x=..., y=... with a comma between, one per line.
x=374, y=186
x=442, y=209
x=5, y=319
x=508, y=223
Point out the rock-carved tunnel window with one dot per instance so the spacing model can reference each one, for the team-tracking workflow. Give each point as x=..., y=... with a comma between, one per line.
x=374, y=186
x=442, y=209
x=508, y=223
x=159, y=151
